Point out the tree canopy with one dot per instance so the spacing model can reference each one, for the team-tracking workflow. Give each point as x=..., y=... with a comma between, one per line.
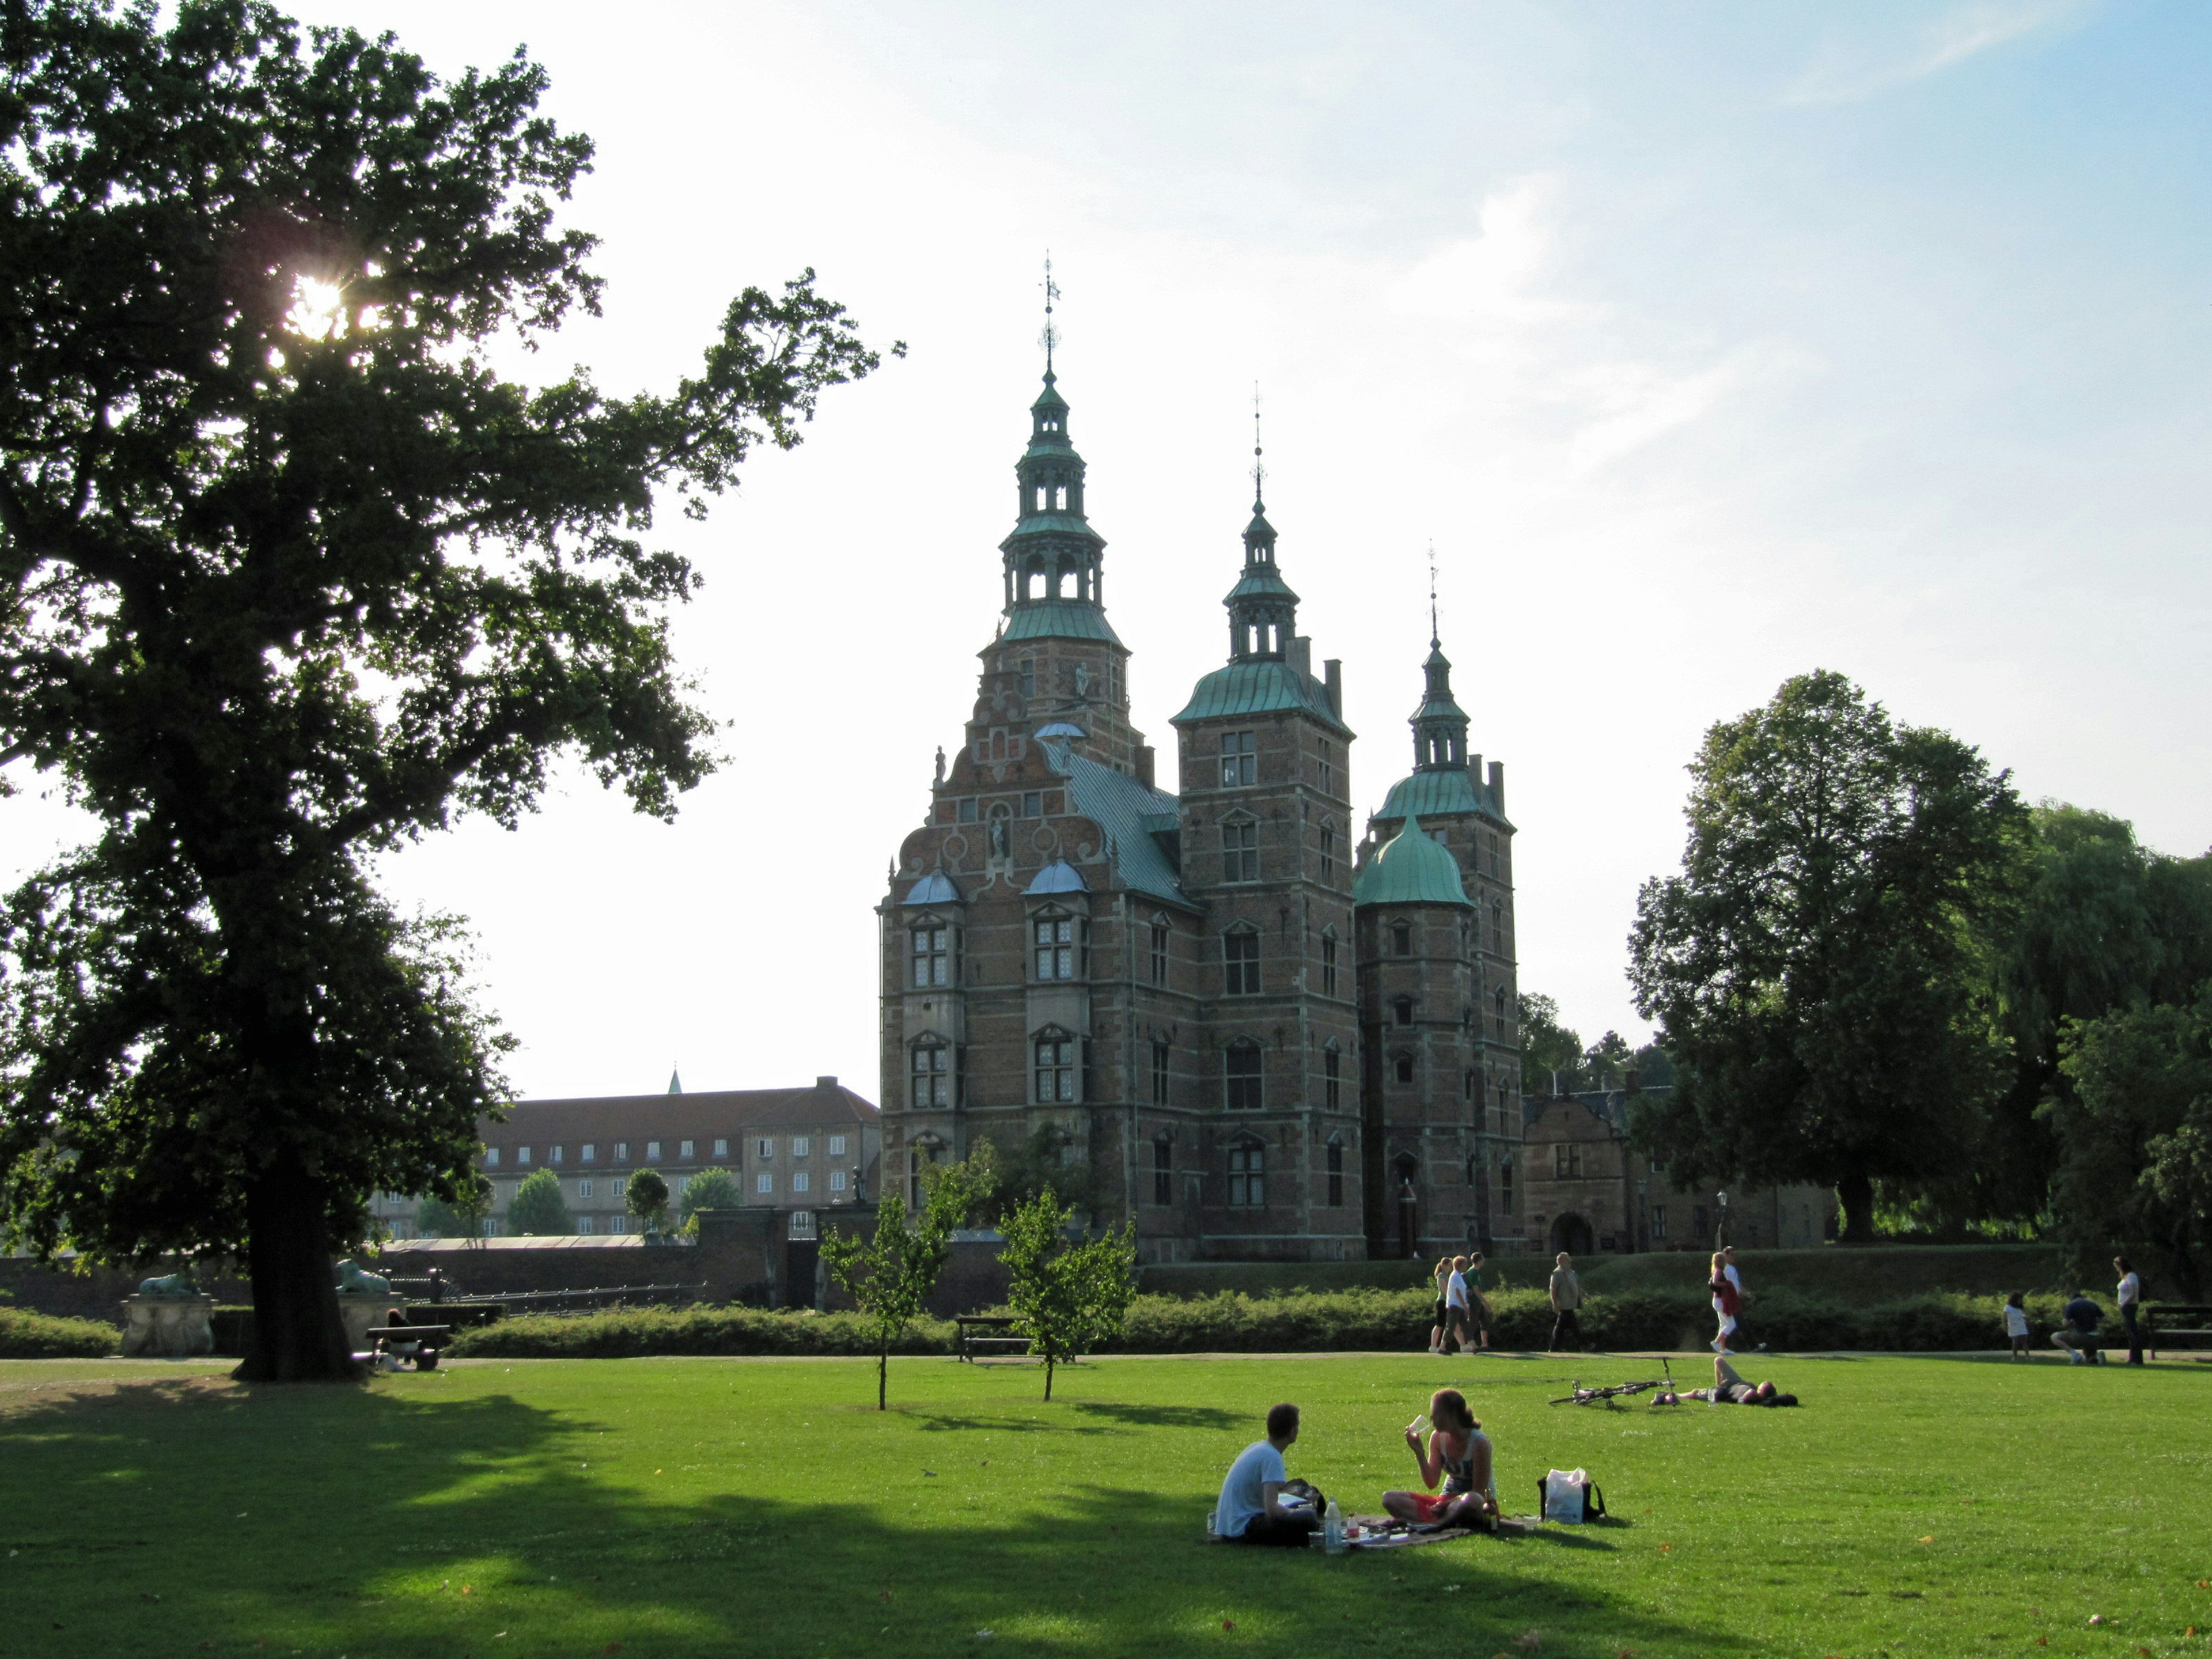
x=296, y=575
x=710, y=1189
x=892, y=1273
x=1067, y=1294
x=1817, y=969
x=646, y=1197
x=538, y=1208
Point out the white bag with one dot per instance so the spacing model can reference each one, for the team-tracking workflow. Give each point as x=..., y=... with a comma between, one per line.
x=1571, y=1496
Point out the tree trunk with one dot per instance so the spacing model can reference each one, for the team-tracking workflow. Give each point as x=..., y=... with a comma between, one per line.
x=883, y=1369
x=1048, y=1373
x=298, y=1336
x=1855, y=1193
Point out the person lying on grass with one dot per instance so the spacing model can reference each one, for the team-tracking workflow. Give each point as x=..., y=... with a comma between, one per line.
x=1459, y=1452
x=1729, y=1389
x=1251, y=1509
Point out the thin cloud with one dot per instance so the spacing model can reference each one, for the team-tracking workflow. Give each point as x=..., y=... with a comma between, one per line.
x=1844, y=77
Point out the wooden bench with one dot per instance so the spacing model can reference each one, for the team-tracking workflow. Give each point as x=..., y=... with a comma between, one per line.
x=2162, y=1321
x=427, y=1339
x=987, y=1333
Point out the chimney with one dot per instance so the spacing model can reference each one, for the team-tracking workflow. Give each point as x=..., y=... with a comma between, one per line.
x=1497, y=785
x=1302, y=655
x=825, y=1082
x=1333, y=677
x=1144, y=765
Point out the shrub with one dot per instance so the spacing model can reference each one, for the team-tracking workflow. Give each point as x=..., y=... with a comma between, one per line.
x=630, y=1333
x=25, y=1335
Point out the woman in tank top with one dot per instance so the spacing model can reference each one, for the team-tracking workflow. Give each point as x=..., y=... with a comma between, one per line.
x=1458, y=1454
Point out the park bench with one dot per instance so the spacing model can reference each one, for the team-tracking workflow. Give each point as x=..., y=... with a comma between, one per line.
x=2163, y=1322
x=429, y=1338
x=987, y=1333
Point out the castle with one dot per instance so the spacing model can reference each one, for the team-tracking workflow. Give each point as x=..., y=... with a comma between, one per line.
x=1264, y=1040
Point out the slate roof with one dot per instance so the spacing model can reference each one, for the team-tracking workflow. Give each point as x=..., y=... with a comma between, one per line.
x=1440, y=794
x=1260, y=688
x=1128, y=811
x=1411, y=869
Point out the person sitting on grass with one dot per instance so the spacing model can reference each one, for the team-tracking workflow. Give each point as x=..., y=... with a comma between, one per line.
x=1729, y=1389
x=2079, y=1334
x=1251, y=1509
x=1458, y=1452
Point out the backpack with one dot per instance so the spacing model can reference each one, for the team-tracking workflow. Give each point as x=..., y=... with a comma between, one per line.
x=1570, y=1496
x=1306, y=1491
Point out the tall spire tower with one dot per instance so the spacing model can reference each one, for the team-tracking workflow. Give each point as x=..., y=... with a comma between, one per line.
x=1439, y=724
x=1263, y=612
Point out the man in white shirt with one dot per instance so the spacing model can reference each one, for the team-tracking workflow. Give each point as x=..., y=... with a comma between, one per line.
x=1455, y=1308
x=2130, y=1295
x=1251, y=1509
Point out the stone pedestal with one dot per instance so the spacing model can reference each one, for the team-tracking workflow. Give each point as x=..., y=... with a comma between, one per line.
x=363, y=1311
x=168, y=1326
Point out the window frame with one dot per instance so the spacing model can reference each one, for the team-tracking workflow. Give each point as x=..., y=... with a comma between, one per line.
x=1240, y=759
x=1240, y=850
x=1243, y=1088
x=1240, y=961
x=1055, y=1067
x=1334, y=1147
x=1247, y=1175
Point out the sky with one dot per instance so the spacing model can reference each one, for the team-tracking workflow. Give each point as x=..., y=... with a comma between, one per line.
x=1705, y=345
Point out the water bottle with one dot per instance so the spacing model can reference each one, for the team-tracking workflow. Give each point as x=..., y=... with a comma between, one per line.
x=1331, y=1529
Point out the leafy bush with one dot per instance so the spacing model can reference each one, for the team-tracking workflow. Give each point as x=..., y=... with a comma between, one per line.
x=538, y=1207
x=629, y=1333
x=711, y=1189
x=25, y=1335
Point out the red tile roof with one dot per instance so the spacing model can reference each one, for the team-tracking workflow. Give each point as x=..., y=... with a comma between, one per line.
x=670, y=1117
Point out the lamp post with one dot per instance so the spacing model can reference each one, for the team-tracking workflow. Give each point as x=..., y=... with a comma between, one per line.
x=1643, y=1215
x=1720, y=1232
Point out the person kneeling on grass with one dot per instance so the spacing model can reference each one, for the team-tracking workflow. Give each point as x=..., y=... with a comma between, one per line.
x=1251, y=1511
x=1459, y=1452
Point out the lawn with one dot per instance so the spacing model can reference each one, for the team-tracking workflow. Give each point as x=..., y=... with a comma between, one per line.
x=763, y=1507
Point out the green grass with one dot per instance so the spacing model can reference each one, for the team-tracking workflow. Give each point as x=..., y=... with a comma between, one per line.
x=1920, y=1506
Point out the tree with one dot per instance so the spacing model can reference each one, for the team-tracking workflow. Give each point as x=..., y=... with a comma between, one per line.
x=646, y=1199
x=1813, y=970
x=1066, y=1296
x=711, y=1189
x=293, y=577
x=1547, y=1046
x=892, y=1273
x=538, y=1207
x=1608, y=1061
x=1017, y=1174
x=2135, y=1134
x=459, y=1216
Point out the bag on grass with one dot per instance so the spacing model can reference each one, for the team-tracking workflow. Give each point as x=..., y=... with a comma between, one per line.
x=1570, y=1495
x=1306, y=1492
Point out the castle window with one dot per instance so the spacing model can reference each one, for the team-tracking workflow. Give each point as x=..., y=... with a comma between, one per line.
x=1159, y=953
x=1506, y=1185
x=1028, y=676
x=1327, y=768
x=1160, y=1072
x=1240, y=760
x=1248, y=1175
x=1055, y=1067
x=1404, y=1068
x=1240, y=965
x=1033, y=805
x=1332, y=1069
x=622, y=1151
x=1403, y=1011
x=1060, y=498
x=1336, y=1172
x=1328, y=964
x=968, y=808
x=557, y=1150
x=1040, y=498
x=1162, y=1170
x=1059, y=941
x=1240, y=852
x=1566, y=1160
x=1659, y=1223
x=932, y=954
x=1240, y=1073
x=931, y=1074
x=1498, y=1001
x=1401, y=939
x=1327, y=853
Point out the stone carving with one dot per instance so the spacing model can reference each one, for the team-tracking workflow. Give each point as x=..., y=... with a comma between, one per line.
x=940, y=762
x=355, y=1280
x=167, y=1325
x=169, y=1284
x=999, y=837
x=365, y=1300
x=1082, y=680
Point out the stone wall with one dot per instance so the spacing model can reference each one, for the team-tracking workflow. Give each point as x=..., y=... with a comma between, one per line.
x=92, y=1292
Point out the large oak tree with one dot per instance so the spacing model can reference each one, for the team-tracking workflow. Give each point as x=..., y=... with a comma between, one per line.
x=289, y=574
x=1819, y=970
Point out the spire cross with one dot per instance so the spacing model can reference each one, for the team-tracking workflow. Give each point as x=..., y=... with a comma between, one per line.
x=1050, y=337
x=1433, y=634
x=1259, y=465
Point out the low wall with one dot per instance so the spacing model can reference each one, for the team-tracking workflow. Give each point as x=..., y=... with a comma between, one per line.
x=91, y=1292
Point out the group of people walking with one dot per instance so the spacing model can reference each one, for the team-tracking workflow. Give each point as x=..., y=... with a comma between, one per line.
x=1462, y=1311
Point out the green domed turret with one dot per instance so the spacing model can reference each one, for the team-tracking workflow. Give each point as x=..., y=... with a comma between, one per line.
x=1411, y=869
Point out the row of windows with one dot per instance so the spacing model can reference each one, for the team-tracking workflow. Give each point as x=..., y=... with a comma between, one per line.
x=1029, y=804
x=687, y=1151
x=1059, y=948
x=936, y=1071
x=1246, y=1171
x=800, y=1181
x=1240, y=763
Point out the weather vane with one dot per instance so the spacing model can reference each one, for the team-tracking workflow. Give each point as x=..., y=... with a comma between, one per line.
x=1259, y=465
x=1432, y=598
x=1050, y=337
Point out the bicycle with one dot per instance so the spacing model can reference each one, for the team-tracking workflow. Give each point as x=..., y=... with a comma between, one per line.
x=1583, y=1396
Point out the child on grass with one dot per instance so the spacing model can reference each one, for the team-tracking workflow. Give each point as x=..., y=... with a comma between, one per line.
x=2015, y=1316
x=1459, y=1452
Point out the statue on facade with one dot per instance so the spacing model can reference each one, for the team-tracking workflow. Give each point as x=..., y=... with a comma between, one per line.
x=1082, y=682
x=998, y=836
x=940, y=762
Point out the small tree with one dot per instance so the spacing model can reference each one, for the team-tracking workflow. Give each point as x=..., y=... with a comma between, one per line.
x=536, y=1206
x=892, y=1274
x=710, y=1189
x=1066, y=1296
x=436, y=1219
x=646, y=1198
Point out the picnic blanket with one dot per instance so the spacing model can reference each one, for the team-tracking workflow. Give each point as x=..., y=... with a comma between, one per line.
x=1384, y=1532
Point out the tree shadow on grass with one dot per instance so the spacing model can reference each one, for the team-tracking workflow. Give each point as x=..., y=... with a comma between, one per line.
x=329, y=1520
x=1163, y=1417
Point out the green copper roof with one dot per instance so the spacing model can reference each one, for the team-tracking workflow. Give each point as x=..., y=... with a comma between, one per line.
x=1411, y=869
x=1059, y=619
x=1128, y=811
x=1260, y=688
x=1438, y=794
x=1257, y=581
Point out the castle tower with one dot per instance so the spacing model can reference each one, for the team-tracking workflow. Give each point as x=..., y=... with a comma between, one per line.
x=1273, y=1062
x=1441, y=1081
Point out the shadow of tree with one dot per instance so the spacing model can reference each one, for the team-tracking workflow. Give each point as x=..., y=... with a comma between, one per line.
x=170, y=1518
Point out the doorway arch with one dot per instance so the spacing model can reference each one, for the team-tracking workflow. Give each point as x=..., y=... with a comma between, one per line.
x=1573, y=1234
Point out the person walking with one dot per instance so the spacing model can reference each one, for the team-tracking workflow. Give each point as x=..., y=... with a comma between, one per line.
x=2130, y=1297
x=1736, y=1278
x=1443, y=1276
x=1567, y=1296
x=1455, y=1304
x=1727, y=1298
x=1478, y=1304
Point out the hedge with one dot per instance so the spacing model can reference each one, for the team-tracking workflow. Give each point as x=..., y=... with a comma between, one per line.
x=25, y=1335
x=1297, y=1323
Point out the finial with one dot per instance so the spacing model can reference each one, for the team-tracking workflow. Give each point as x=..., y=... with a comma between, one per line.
x=1259, y=465
x=1050, y=337
x=1433, y=636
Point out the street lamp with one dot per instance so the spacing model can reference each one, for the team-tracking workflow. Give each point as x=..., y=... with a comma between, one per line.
x=1720, y=1234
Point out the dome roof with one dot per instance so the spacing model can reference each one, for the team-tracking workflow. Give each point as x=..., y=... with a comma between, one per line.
x=1059, y=877
x=1411, y=869
x=935, y=888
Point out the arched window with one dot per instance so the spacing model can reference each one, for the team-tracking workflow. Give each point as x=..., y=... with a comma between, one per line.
x=1241, y=1075
x=930, y=1073
x=1055, y=1056
x=1336, y=1172
x=1401, y=939
x=1247, y=1174
x=1506, y=1185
